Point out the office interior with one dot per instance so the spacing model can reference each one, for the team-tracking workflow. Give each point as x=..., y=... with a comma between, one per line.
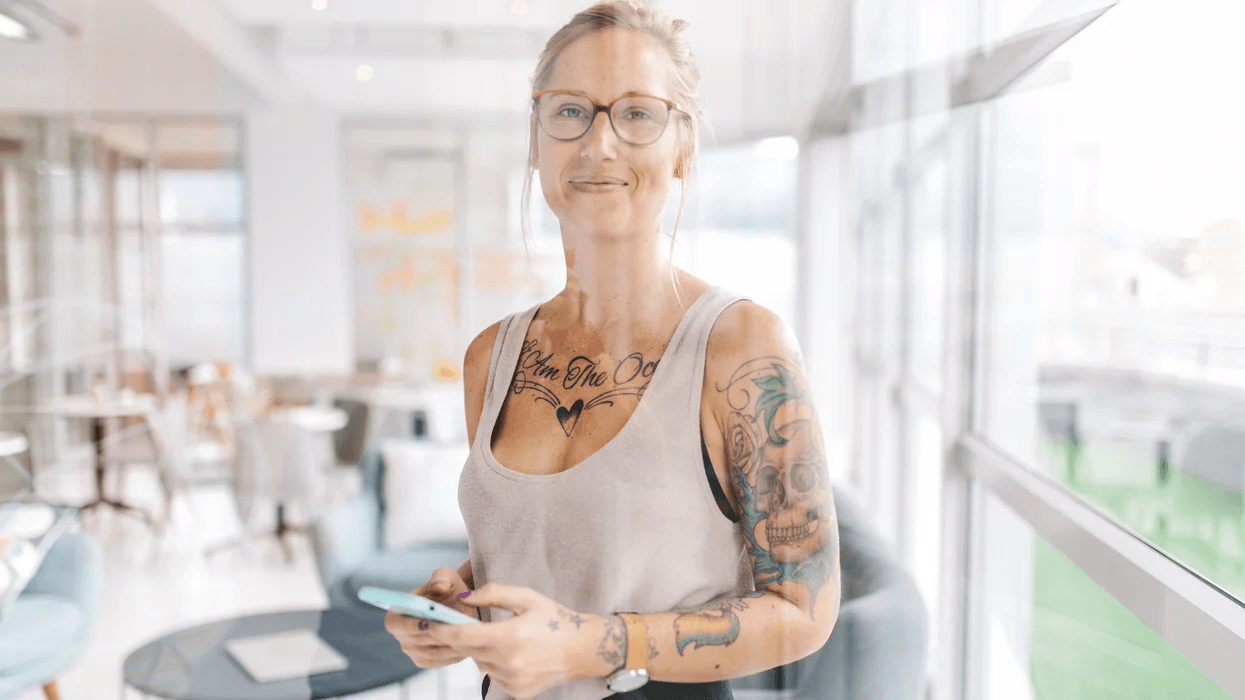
x=245, y=244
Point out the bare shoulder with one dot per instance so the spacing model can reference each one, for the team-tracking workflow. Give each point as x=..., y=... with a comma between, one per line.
x=746, y=331
x=480, y=351
x=752, y=356
x=475, y=375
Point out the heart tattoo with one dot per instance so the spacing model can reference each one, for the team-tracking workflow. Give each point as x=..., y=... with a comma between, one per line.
x=568, y=418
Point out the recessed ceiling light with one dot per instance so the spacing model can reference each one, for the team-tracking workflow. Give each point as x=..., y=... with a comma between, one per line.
x=319, y=5
x=518, y=6
x=12, y=28
x=364, y=73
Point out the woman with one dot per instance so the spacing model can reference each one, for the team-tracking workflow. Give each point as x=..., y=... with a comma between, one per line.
x=605, y=421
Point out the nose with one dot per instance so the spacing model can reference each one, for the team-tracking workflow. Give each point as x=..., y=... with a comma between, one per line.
x=600, y=142
x=779, y=498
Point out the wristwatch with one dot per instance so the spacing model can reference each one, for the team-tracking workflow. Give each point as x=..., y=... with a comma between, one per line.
x=634, y=672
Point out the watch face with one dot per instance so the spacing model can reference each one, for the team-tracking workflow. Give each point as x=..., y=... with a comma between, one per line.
x=626, y=680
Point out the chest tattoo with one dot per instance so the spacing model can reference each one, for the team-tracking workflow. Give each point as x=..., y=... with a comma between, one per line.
x=542, y=374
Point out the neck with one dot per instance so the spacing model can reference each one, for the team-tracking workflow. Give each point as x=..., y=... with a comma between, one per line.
x=616, y=282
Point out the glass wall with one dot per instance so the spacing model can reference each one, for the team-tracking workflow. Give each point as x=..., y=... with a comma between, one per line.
x=1117, y=278
x=1047, y=219
x=739, y=221
x=1047, y=631
x=124, y=243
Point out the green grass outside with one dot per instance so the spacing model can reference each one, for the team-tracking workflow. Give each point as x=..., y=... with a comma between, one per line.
x=1085, y=645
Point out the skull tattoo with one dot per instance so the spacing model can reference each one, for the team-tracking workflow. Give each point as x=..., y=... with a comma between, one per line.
x=790, y=490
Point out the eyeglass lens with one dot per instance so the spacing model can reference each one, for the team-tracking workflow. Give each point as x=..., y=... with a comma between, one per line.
x=637, y=119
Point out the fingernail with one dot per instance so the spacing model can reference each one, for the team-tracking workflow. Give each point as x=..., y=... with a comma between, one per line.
x=464, y=594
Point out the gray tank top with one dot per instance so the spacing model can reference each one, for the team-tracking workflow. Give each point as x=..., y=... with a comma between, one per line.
x=634, y=527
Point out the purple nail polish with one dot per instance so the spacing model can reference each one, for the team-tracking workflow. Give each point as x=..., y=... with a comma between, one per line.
x=464, y=594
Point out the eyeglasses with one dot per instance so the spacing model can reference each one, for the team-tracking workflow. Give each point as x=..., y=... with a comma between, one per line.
x=637, y=119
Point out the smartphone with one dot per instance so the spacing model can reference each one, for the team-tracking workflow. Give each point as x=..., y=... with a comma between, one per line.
x=413, y=606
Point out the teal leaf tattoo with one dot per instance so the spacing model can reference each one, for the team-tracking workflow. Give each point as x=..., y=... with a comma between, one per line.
x=776, y=390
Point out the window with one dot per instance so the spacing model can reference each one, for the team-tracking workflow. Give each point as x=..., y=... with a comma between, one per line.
x=1116, y=300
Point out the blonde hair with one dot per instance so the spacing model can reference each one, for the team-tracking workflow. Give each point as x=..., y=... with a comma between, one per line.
x=668, y=32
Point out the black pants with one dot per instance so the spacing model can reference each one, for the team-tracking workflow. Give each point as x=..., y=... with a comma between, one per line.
x=657, y=690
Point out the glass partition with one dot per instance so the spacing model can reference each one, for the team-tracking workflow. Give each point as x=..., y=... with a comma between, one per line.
x=1115, y=291
x=1048, y=632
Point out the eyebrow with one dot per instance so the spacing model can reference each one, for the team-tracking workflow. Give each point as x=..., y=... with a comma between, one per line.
x=623, y=94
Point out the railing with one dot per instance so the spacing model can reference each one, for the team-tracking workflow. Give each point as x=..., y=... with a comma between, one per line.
x=1206, y=349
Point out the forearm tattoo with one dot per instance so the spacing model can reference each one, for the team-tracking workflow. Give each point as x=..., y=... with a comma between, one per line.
x=715, y=624
x=777, y=462
x=613, y=647
x=543, y=374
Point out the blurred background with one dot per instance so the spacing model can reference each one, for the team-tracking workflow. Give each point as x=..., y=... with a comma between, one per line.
x=244, y=245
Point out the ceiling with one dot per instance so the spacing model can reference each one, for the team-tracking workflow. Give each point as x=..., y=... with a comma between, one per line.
x=763, y=65
x=127, y=56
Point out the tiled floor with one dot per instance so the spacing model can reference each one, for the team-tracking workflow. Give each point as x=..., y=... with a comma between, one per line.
x=153, y=587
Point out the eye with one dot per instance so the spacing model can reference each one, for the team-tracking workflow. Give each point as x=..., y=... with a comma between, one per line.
x=637, y=114
x=571, y=112
x=767, y=480
x=803, y=477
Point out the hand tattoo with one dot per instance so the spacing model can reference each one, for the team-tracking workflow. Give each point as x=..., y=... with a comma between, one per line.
x=567, y=615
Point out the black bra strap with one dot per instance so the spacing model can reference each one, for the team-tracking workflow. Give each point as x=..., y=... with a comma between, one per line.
x=719, y=495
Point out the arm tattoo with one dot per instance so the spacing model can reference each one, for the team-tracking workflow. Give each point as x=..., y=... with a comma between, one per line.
x=714, y=624
x=778, y=471
x=613, y=647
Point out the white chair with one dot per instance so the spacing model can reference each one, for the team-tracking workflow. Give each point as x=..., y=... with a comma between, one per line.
x=11, y=445
x=280, y=465
x=184, y=461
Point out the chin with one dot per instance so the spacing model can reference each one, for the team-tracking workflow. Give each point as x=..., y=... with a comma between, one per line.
x=603, y=223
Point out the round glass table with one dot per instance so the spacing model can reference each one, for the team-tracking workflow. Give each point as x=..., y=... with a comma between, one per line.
x=193, y=664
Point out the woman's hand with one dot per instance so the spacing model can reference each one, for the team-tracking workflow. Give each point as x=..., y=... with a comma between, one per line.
x=543, y=645
x=414, y=635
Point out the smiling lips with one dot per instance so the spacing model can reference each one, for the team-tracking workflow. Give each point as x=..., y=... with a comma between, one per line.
x=598, y=184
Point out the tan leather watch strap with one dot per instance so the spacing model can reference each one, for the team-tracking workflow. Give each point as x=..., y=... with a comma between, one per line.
x=637, y=641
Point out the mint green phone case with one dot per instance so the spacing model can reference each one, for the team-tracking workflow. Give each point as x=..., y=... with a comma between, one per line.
x=413, y=606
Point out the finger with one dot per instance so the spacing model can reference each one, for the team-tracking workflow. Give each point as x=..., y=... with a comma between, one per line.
x=467, y=639
x=400, y=625
x=409, y=629
x=432, y=658
x=444, y=583
x=516, y=599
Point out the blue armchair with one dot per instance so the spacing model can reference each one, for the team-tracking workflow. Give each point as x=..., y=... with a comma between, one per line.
x=50, y=622
x=878, y=648
x=348, y=541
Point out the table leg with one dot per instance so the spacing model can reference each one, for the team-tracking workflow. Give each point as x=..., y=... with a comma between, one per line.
x=283, y=529
x=97, y=437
